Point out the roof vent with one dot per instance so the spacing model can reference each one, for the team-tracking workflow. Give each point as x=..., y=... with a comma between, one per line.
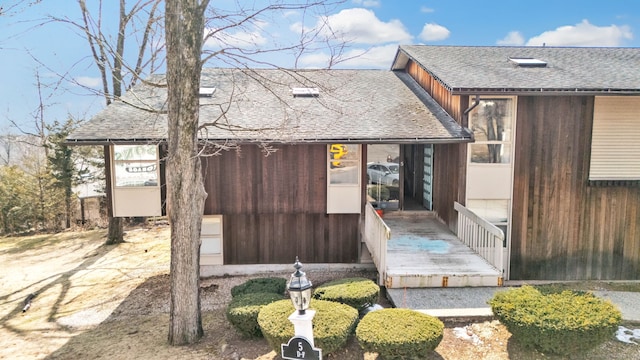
x=305, y=92
x=528, y=62
x=207, y=91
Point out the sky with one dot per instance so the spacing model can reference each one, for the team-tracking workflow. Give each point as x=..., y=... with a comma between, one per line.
x=370, y=29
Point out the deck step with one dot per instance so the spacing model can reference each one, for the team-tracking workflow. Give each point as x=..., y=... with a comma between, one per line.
x=399, y=281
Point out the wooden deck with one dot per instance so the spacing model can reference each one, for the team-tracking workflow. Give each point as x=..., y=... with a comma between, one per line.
x=423, y=252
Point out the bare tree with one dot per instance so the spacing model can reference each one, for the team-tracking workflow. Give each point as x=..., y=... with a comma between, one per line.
x=109, y=57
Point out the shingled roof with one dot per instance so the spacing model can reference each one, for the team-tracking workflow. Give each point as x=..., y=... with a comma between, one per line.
x=489, y=70
x=251, y=105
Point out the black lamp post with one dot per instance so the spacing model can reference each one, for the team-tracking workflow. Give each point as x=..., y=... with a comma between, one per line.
x=299, y=289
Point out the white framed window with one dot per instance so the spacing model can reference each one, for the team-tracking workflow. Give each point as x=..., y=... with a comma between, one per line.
x=135, y=165
x=615, y=149
x=492, y=123
x=343, y=178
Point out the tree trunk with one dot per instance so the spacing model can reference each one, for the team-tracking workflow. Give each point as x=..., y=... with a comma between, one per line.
x=116, y=232
x=184, y=24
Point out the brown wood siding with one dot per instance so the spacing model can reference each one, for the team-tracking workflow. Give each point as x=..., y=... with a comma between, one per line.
x=449, y=166
x=563, y=229
x=274, y=207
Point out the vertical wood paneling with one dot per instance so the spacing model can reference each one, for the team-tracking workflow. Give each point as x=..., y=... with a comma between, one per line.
x=564, y=229
x=274, y=207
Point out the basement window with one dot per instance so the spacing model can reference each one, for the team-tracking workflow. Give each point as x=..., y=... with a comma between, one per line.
x=305, y=92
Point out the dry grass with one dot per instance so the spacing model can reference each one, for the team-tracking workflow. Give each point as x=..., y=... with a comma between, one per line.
x=111, y=302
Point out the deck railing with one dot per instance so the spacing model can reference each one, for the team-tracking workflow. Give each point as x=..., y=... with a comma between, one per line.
x=481, y=236
x=376, y=235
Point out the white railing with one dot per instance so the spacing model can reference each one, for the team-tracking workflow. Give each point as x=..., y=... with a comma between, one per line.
x=481, y=236
x=376, y=235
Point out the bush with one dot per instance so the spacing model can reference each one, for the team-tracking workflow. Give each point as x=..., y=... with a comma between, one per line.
x=242, y=311
x=559, y=323
x=355, y=292
x=261, y=285
x=399, y=333
x=332, y=324
x=379, y=192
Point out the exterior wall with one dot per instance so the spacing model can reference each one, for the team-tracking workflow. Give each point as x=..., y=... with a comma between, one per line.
x=449, y=159
x=564, y=229
x=274, y=207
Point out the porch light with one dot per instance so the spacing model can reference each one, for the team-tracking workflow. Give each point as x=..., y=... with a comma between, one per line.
x=299, y=289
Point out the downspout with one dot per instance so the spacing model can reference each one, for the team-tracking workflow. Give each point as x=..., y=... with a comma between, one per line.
x=465, y=115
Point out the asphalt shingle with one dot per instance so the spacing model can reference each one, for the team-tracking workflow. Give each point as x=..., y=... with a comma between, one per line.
x=487, y=69
x=257, y=105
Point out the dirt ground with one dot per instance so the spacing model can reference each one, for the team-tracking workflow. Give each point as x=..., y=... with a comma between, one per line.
x=111, y=302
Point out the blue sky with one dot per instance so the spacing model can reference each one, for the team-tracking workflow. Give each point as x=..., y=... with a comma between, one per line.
x=373, y=29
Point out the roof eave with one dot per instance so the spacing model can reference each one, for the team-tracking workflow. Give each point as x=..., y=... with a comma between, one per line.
x=542, y=91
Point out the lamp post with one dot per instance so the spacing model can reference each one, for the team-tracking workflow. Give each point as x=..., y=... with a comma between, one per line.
x=299, y=289
x=300, y=292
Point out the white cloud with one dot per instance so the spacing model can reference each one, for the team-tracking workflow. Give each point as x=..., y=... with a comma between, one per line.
x=374, y=57
x=512, y=38
x=367, y=3
x=87, y=81
x=361, y=26
x=583, y=34
x=426, y=10
x=243, y=38
x=434, y=32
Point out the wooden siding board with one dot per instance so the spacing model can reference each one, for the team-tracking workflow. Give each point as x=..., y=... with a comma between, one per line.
x=562, y=228
x=274, y=207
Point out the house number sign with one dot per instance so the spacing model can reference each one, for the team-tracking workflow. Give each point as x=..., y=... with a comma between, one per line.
x=300, y=348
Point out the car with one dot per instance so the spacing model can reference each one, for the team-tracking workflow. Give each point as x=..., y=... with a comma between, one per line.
x=384, y=173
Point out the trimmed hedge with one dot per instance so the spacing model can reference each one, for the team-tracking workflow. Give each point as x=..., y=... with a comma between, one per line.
x=355, y=292
x=332, y=324
x=242, y=311
x=261, y=285
x=559, y=323
x=399, y=333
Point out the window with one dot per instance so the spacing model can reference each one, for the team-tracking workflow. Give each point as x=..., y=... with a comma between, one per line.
x=135, y=165
x=344, y=163
x=343, y=180
x=615, y=149
x=492, y=125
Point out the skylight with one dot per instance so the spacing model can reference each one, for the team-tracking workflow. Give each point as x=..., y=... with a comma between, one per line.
x=528, y=62
x=207, y=91
x=305, y=92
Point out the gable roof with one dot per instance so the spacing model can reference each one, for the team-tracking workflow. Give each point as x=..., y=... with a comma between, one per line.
x=488, y=70
x=257, y=105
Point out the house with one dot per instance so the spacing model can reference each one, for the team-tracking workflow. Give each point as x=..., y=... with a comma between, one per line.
x=539, y=141
x=556, y=160
x=276, y=189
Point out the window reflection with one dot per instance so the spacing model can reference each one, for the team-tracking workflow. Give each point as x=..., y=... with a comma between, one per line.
x=135, y=165
x=491, y=122
x=343, y=164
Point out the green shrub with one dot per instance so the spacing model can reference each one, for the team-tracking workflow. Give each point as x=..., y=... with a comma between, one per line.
x=399, y=333
x=559, y=323
x=379, y=192
x=355, y=292
x=242, y=311
x=261, y=285
x=332, y=324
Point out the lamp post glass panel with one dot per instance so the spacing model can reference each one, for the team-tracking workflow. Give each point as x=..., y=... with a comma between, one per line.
x=299, y=289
